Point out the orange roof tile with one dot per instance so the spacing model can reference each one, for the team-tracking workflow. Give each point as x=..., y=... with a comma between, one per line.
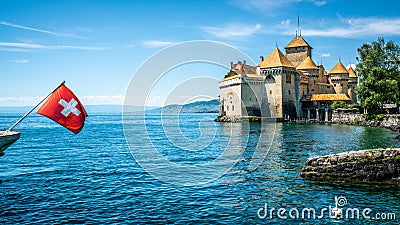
x=338, y=69
x=329, y=97
x=297, y=42
x=351, y=72
x=275, y=59
x=308, y=63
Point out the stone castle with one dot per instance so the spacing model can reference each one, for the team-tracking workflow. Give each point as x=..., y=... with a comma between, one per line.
x=285, y=86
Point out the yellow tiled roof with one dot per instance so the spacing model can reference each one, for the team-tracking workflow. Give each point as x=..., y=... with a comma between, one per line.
x=230, y=78
x=308, y=63
x=253, y=75
x=338, y=68
x=351, y=72
x=297, y=42
x=275, y=59
x=239, y=67
x=330, y=97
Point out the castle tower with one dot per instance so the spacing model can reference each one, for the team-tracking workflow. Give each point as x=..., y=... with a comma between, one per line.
x=298, y=50
x=353, y=81
x=282, y=84
x=308, y=68
x=339, y=77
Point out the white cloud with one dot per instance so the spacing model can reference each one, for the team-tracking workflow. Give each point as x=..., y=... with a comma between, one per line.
x=155, y=101
x=18, y=61
x=320, y=3
x=358, y=27
x=352, y=65
x=39, y=30
x=60, y=47
x=286, y=23
x=103, y=100
x=325, y=54
x=22, y=45
x=19, y=101
x=3, y=49
x=157, y=44
x=272, y=6
x=233, y=30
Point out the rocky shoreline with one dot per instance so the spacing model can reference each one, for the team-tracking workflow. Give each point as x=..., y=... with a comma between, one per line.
x=375, y=165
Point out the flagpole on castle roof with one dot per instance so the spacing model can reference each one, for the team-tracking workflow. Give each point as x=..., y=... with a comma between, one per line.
x=31, y=110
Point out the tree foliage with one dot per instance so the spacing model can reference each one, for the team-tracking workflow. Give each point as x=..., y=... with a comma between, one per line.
x=339, y=104
x=379, y=72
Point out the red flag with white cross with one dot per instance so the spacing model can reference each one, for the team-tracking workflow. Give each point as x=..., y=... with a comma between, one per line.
x=64, y=107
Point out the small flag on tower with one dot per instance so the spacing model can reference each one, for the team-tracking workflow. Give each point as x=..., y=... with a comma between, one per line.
x=64, y=107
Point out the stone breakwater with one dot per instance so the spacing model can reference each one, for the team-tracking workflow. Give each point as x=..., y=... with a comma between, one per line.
x=377, y=165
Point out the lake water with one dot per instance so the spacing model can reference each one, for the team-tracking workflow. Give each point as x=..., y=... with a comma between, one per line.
x=51, y=176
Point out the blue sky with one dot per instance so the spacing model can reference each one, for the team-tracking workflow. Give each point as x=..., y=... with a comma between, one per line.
x=96, y=46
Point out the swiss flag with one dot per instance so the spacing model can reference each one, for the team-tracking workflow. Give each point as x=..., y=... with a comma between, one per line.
x=64, y=108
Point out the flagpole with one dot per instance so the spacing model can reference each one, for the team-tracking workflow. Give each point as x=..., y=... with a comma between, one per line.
x=29, y=112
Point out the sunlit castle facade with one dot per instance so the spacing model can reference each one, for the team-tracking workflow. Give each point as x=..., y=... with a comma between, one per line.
x=285, y=86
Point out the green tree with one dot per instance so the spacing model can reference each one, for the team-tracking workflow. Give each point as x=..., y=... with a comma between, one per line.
x=379, y=71
x=339, y=104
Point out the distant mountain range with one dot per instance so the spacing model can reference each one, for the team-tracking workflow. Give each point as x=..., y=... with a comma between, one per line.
x=195, y=107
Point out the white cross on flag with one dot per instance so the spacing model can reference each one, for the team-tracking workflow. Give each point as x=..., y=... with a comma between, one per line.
x=64, y=108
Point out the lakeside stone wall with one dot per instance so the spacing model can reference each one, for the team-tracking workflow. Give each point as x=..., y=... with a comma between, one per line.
x=377, y=165
x=389, y=121
x=345, y=117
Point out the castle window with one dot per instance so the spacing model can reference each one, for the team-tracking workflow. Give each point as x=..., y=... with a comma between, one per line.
x=227, y=108
x=314, y=82
x=341, y=85
x=289, y=92
x=233, y=108
x=270, y=92
x=334, y=85
x=270, y=79
x=288, y=78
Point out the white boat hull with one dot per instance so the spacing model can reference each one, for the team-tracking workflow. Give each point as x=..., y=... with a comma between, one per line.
x=7, y=139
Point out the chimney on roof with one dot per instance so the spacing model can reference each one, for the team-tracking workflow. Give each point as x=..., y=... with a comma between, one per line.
x=231, y=65
x=244, y=62
x=261, y=58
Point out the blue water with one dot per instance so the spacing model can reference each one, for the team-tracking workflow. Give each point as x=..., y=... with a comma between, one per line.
x=51, y=176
